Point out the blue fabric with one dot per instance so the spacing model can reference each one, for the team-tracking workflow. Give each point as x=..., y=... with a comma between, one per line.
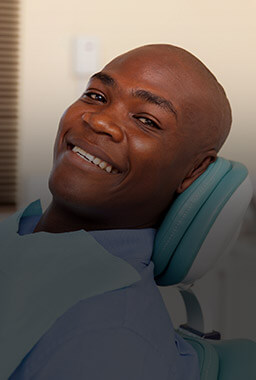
x=122, y=334
x=43, y=275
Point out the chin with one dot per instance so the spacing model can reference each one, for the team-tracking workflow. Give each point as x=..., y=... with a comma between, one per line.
x=62, y=190
x=67, y=193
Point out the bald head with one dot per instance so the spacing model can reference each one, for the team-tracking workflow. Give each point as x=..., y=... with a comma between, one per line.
x=157, y=117
x=203, y=108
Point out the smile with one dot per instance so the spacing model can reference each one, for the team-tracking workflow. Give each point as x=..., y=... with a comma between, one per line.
x=94, y=160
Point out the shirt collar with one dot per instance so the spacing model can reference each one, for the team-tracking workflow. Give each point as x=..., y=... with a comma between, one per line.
x=132, y=245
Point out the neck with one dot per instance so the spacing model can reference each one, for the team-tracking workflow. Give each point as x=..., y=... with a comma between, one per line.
x=58, y=219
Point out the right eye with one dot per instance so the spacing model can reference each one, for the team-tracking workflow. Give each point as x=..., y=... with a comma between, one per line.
x=94, y=96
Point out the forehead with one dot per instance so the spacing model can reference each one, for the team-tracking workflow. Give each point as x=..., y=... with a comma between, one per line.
x=161, y=73
x=133, y=68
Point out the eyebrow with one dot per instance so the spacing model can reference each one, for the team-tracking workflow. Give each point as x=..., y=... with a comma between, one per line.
x=142, y=94
x=155, y=99
x=105, y=78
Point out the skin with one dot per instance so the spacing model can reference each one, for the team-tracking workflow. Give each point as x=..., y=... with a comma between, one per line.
x=160, y=148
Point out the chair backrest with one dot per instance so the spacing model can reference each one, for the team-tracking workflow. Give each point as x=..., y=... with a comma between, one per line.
x=202, y=223
x=233, y=359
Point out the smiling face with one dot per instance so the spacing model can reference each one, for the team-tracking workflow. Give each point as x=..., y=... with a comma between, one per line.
x=132, y=117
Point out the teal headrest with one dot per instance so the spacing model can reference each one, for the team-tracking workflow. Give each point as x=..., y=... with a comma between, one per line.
x=192, y=216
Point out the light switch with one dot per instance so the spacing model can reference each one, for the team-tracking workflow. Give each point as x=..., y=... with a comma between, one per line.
x=86, y=55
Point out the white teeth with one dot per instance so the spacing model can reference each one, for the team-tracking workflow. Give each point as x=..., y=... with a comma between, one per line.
x=89, y=156
x=103, y=165
x=76, y=149
x=97, y=161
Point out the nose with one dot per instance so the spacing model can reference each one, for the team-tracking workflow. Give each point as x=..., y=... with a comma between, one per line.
x=104, y=123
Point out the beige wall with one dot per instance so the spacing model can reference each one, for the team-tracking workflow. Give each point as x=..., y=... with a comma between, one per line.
x=221, y=33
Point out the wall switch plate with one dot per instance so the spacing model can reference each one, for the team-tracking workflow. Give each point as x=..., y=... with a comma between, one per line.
x=86, y=57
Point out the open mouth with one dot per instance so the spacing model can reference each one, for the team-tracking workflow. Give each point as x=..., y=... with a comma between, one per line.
x=103, y=165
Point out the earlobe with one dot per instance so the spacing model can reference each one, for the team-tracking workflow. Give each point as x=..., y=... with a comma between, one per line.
x=196, y=172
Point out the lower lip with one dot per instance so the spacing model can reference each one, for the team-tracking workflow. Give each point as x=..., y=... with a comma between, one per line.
x=83, y=163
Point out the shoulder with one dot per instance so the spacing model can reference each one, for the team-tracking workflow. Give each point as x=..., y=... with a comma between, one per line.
x=138, y=308
x=122, y=334
x=110, y=309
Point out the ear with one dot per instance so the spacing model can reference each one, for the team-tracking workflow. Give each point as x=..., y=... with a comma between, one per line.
x=197, y=170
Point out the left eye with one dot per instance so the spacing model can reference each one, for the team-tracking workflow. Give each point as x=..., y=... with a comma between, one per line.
x=94, y=96
x=147, y=121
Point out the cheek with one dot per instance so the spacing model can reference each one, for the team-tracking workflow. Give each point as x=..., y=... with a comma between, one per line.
x=165, y=169
x=57, y=142
x=152, y=165
x=67, y=121
x=144, y=150
x=153, y=154
x=72, y=114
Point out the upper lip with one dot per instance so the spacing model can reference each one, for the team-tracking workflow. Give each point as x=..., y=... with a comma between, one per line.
x=95, y=151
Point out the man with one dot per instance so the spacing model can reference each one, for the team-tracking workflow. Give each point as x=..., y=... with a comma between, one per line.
x=146, y=127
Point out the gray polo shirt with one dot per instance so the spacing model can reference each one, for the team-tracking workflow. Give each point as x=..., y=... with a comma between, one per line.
x=125, y=334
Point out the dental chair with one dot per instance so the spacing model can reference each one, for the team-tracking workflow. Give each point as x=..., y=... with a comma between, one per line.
x=202, y=224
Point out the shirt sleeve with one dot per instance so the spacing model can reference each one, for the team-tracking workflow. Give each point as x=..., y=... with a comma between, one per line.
x=107, y=354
